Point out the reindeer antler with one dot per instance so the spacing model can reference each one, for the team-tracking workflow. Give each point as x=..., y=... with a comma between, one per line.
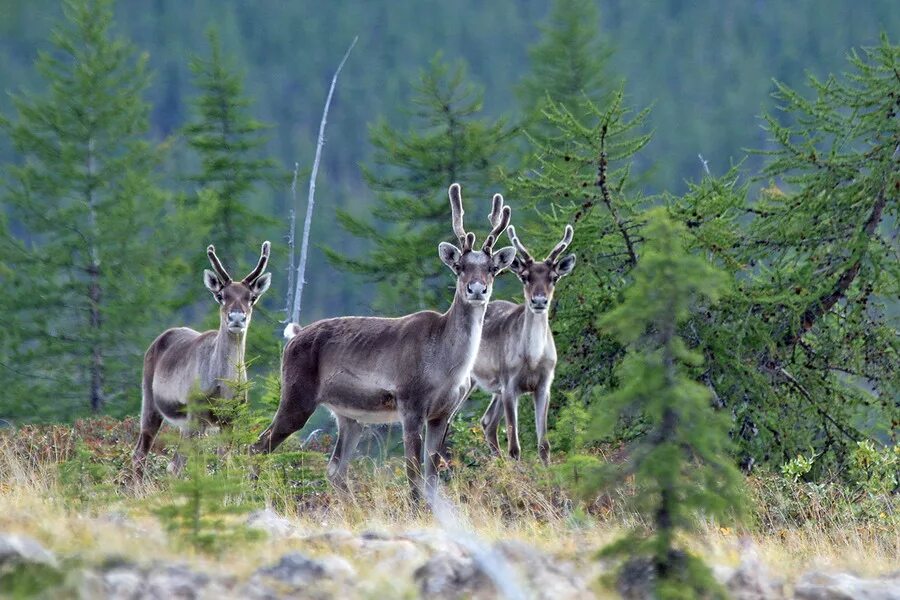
x=466, y=240
x=499, y=218
x=562, y=245
x=520, y=247
x=260, y=266
x=222, y=274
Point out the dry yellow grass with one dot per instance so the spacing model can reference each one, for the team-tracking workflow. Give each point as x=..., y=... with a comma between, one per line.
x=499, y=501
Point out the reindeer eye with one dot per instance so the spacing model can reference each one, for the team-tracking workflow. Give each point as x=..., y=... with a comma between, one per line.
x=253, y=299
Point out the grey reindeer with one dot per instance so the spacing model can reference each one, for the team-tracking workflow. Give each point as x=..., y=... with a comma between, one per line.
x=183, y=364
x=413, y=369
x=517, y=354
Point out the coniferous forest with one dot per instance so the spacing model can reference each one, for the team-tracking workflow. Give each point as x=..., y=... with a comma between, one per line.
x=684, y=384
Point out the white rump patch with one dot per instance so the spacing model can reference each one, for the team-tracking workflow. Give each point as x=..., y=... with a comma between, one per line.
x=291, y=330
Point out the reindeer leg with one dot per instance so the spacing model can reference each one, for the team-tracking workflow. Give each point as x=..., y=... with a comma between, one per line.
x=349, y=432
x=151, y=421
x=511, y=408
x=412, y=446
x=435, y=433
x=293, y=412
x=490, y=422
x=541, y=405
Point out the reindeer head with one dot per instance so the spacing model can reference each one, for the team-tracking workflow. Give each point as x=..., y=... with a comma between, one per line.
x=236, y=298
x=475, y=269
x=539, y=278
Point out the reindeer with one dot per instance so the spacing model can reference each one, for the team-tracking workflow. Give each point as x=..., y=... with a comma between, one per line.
x=413, y=369
x=517, y=354
x=182, y=364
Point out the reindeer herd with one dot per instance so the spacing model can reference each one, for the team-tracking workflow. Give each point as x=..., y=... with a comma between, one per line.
x=416, y=370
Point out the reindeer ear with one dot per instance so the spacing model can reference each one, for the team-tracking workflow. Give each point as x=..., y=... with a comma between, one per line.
x=503, y=258
x=261, y=284
x=517, y=265
x=211, y=281
x=450, y=255
x=565, y=266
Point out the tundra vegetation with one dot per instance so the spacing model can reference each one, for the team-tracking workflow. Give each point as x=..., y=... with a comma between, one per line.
x=724, y=354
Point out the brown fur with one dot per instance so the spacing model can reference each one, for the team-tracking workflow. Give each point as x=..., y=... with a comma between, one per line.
x=413, y=369
x=183, y=365
x=517, y=354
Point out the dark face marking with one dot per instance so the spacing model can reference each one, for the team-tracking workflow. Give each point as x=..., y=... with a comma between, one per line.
x=475, y=270
x=539, y=280
x=236, y=299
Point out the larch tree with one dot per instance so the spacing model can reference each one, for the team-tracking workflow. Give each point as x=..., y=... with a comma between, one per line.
x=89, y=261
x=446, y=142
x=579, y=174
x=804, y=352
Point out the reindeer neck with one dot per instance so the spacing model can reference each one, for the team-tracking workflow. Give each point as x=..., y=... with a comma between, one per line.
x=228, y=353
x=462, y=325
x=535, y=331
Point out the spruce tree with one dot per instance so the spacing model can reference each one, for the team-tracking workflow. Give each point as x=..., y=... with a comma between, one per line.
x=90, y=264
x=446, y=142
x=569, y=65
x=681, y=465
x=230, y=144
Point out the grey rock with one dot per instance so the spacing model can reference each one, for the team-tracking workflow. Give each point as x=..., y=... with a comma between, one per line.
x=123, y=583
x=546, y=575
x=271, y=522
x=447, y=575
x=175, y=581
x=298, y=570
x=16, y=550
x=843, y=586
x=751, y=580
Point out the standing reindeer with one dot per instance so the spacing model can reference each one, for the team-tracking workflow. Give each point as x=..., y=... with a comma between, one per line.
x=182, y=364
x=413, y=369
x=517, y=354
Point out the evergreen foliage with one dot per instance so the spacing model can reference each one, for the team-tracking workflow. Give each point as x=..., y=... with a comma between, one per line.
x=681, y=465
x=447, y=142
x=200, y=508
x=568, y=65
x=228, y=141
x=804, y=351
x=92, y=256
x=580, y=176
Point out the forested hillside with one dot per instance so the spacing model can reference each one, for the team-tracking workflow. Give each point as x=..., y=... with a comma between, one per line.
x=705, y=67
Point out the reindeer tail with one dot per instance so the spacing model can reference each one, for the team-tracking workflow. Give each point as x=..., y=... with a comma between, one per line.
x=291, y=330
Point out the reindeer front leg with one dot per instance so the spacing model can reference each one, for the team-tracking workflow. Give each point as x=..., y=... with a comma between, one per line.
x=541, y=406
x=510, y=402
x=412, y=446
x=490, y=423
x=435, y=434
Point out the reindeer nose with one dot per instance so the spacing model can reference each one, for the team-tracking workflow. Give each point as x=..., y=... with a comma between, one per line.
x=476, y=288
x=539, y=302
x=237, y=318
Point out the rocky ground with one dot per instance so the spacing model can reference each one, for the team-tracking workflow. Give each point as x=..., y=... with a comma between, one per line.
x=428, y=563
